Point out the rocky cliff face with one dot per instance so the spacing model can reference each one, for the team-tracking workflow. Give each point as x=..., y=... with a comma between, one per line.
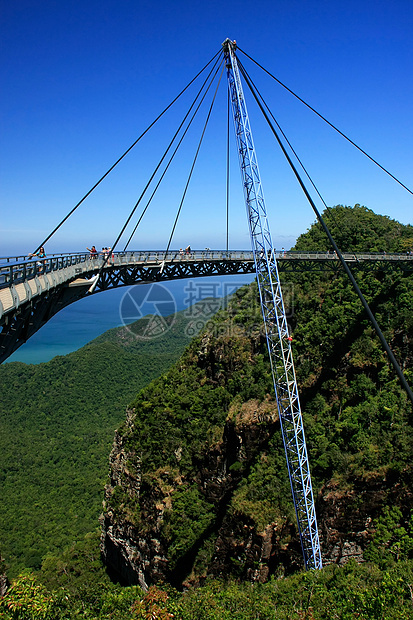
x=347, y=517
x=135, y=549
x=198, y=484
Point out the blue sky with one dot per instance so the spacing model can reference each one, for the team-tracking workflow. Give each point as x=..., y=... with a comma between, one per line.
x=81, y=80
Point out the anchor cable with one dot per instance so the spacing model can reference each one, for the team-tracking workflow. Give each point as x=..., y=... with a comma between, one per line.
x=106, y=258
x=330, y=211
x=228, y=144
x=174, y=153
x=124, y=154
x=356, y=287
x=328, y=123
x=193, y=164
x=285, y=137
x=291, y=147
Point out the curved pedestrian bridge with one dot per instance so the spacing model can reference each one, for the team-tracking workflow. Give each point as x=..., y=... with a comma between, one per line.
x=32, y=291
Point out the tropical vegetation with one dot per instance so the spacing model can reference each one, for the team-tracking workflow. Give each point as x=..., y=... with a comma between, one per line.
x=358, y=423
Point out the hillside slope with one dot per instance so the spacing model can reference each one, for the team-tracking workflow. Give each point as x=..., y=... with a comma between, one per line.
x=198, y=483
x=57, y=421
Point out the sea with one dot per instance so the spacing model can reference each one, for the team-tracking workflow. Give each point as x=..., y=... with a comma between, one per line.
x=79, y=323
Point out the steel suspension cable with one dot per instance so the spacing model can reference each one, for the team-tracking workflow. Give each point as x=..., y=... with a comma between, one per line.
x=294, y=152
x=106, y=258
x=284, y=136
x=331, y=213
x=173, y=154
x=290, y=146
x=125, y=153
x=193, y=165
x=356, y=287
x=328, y=122
x=228, y=131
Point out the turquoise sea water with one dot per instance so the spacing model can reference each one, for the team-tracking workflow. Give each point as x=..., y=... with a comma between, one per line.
x=81, y=322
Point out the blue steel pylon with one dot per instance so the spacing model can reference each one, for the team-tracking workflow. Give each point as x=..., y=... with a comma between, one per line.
x=275, y=323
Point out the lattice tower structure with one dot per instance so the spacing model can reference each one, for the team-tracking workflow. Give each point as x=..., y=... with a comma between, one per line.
x=275, y=321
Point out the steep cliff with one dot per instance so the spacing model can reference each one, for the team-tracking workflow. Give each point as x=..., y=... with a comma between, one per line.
x=198, y=483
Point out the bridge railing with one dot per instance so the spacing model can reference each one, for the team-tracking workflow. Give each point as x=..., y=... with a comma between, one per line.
x=15, y=272
x=16, y=269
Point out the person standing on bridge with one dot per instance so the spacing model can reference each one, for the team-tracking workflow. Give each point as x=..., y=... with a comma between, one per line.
x=40, y=254
x=93, y=252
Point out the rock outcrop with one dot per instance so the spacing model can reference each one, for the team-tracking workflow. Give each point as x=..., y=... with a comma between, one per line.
x=134, y=547
x=132, y=543
x=198, y=484
x=347, y=517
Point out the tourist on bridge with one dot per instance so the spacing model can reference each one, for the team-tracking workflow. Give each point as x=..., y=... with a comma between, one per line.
x=93, y=252
x=40, y=254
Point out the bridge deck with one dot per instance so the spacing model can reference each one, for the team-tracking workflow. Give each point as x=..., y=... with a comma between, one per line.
x=32, y=291
x=21, y=281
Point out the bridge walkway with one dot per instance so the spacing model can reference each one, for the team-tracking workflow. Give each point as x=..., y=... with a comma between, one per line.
x=32, y=291
x=22, y=280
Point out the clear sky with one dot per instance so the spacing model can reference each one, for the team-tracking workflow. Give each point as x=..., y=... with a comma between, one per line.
x=81, y=80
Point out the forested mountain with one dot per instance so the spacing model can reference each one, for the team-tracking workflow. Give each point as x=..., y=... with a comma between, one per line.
x=198, y=492
x=198, y=483
x=358, y=229
x=57, y=421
